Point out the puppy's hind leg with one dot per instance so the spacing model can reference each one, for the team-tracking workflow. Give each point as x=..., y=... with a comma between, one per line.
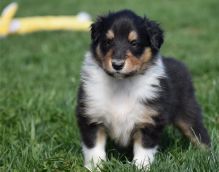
x=189, y=122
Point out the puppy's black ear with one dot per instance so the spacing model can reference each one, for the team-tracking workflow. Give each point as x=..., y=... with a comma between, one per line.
x=155, y=33
x=97, y=28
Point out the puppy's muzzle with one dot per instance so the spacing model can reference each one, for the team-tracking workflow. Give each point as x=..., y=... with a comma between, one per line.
x=117, y=64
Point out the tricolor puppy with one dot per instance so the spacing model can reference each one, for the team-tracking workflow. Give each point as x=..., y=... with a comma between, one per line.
x=130, y=92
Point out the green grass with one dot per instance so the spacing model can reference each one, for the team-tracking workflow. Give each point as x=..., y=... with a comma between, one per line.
x=39, y=76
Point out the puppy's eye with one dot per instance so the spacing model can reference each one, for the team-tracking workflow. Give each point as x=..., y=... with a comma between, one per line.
x=133, y=43
x=108, y=42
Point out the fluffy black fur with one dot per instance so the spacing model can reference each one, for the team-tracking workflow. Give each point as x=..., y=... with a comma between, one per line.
x=176, y=103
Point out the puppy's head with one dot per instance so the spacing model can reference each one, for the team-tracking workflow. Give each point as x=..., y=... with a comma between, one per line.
x=124, y=43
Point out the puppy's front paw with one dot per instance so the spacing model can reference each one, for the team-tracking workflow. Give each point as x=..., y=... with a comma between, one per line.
x=94, y=164
x=143, y=157
x=93, y=157
x=141, y=162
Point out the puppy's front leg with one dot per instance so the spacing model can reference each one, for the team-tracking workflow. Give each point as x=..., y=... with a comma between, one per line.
x=145, y=147
x=94, y=154
x=92, y=135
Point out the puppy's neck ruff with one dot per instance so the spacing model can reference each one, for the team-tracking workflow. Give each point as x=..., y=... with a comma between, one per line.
x=119, y=103
x=91, y=67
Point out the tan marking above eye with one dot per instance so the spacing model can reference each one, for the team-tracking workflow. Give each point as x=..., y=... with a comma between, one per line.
x=110, y=34
x=132, y=36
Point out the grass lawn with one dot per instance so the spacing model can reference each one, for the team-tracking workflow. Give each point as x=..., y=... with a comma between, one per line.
x=39, y=76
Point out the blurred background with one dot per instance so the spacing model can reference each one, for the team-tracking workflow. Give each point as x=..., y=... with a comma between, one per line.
x=39, y=77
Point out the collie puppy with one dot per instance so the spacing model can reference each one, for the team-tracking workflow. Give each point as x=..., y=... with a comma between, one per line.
x=130, y=92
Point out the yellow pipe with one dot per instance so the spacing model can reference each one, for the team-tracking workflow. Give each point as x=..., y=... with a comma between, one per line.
x=23, y=25
x=5, y=20
x=47, y=23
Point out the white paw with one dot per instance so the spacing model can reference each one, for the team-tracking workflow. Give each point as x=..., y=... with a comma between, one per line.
x=142, y=163
x=93, y=157
x=143, y=157
x=94, y=163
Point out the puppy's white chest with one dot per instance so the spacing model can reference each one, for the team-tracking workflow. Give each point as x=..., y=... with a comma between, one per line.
x=117, y=109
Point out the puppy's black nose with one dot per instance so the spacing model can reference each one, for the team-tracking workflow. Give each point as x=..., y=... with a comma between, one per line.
x=118, y=64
